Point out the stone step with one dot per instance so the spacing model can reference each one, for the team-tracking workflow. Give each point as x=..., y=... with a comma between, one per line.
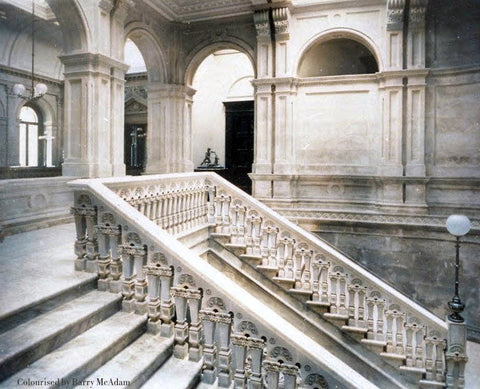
x=75, y=360
x=35, y=338
x=269, y=272
x=47, y=303
x=134, y=365
x=176, y=374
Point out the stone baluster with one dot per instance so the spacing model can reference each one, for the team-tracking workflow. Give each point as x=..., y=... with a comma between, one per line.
x=219, y=199
x=272, y=372
x=376, y=307
x=148, y=206
x=302, y=267
x=320, y=279
x=239, y=346
x=238, y=223
x=175, y=213
x=140, y=282
x=114, y=282
x=434, y=357
x=154, y=212
x=194, y=299
x=81, y=237
x=255, y=349
x=180, y=295
x=104, y=233
x=91, y=246
x=167, y=307
x=356, y=304
x=153, y=270
x=269, y=246
x=394, y=322
x=224, y=325
x=211, y=209
x=285, y=253
x=165, y=206
x=338, y=281
x=190, y=209
x=209, y=370
x=290, y=374
x=169, y=211
x=414, y=333
x=256, y=235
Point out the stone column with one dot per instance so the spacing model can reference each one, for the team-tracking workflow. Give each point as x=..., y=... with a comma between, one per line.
x=169, y=147
x=92, y=106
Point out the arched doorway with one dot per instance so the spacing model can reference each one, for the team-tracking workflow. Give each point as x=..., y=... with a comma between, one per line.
x=30, y=152
x=223, y=115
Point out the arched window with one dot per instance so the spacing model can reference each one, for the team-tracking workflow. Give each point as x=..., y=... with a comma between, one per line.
x=28, y=137
x=337, y=57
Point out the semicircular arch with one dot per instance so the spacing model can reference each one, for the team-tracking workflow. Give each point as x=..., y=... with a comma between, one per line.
x=150, y=49
x=340, y=33
x=196, y=57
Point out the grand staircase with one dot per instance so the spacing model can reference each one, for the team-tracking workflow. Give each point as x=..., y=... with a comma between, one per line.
x=183, y=281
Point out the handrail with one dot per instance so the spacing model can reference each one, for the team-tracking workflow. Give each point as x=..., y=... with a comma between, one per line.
x=213, y=299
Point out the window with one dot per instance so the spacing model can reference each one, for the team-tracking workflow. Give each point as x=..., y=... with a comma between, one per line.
x=28, y=137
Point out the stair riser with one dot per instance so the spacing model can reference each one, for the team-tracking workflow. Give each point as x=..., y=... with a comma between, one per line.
x=28, y=313
x=87, y=368
x=18, y=361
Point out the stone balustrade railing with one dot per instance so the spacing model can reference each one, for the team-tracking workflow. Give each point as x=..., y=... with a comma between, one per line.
x=400, y=329
x=240, y=339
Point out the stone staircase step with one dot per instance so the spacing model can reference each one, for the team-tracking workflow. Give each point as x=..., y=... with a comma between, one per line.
x=286, y=283
x=222, y=238
x=358, y=333
x=253, y=260
x=134, y=365
x=236, y=249
x=377, y=346
x=269, y=272
x=175, y=374
x=337, y=319
x=47, y=303
x=301, y=293
x=87, y=352
x=35, y=338
x=318, y=306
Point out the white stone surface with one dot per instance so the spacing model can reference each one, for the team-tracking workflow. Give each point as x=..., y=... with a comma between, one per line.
x=37, y=265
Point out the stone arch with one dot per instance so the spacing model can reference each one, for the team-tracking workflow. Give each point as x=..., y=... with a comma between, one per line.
x=196, y=57
x=76, y=39
x=340, y=33
x=151, y=51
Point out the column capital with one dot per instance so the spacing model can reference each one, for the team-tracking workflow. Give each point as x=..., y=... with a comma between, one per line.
x=90, y=62
x=262, y=25
x=280, y=22
x=161, y=90
x=395, y=12
x=416, y=16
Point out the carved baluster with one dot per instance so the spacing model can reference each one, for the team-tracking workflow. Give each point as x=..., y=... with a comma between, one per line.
x=290, y=374
x=238, y=228
x=153, y=278
x=180, y=349
x=194, y=300
x=239, y=345
x=249, y=237
x=256, y=235
x=394, y=323
x=81, y=235
x=211, y=204
x=264, y=245
x=209, y=369
x=306, y=272
x=272, y=247
x=337, y=292
x=114, y=283
x=285, y=253
x=224, y=324
x=434, y=357
x=255, y=349
x=127, y=273
x=92, y=244
x=297, y=265
x=219, y=200
x=272, y=371
x=153, y=213
x=168, y=212
x=148, y=206
x=414, y=333
x=108, y=261
x=141, y=282
x=103, y=255
x=133, y=253
x=356, y=307
x=375, y=317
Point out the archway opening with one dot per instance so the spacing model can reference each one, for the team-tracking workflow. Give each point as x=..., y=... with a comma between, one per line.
x=136, y=111
x=223, y=116
x=334, y=57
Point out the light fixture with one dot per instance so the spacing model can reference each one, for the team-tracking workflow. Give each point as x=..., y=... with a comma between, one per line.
x=36, y=91
x=457, y=225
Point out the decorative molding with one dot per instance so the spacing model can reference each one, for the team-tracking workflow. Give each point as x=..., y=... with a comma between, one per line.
x=262, y=24
x=409, y=220
x=416, y=17
x=395, y=12
x=27, y=74
x=280, y=21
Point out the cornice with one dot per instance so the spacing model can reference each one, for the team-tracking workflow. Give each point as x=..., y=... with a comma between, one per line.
x=26, y=74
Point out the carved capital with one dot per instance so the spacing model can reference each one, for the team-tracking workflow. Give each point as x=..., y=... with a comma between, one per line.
x=216, y=317
x=280, y=22
x=395, y=12
x=262, y=24
x=416, y=17
x=132, y=250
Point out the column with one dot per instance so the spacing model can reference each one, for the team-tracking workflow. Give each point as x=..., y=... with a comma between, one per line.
x=169, y=147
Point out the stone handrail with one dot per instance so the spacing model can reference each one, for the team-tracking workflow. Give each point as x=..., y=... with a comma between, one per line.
x=186, y=297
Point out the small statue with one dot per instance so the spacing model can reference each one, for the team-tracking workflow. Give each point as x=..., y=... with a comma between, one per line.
x=207, y=161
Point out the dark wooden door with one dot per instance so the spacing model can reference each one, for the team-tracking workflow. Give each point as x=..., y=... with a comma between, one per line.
x=239, y=143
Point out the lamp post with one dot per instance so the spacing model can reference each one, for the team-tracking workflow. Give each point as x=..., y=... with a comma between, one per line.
x=457, y=225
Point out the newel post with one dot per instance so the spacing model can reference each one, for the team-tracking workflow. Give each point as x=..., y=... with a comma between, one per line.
x=456, y=354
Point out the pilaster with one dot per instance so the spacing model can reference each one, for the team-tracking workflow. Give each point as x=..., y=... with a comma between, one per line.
x=280, y=21
x=169, y=109
x=93, y=103
x=394, y=39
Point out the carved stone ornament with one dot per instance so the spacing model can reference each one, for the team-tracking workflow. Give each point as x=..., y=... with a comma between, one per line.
x=281, y=353
x=262, y=24
x=416, y=17
x=395, y=12
x=280, y=20
x=316, y=380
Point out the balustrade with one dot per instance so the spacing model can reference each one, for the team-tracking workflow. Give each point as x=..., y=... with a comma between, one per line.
x=303, y=264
